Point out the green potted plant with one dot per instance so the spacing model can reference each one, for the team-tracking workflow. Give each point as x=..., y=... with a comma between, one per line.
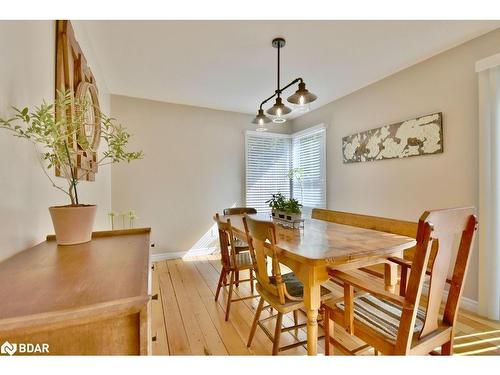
x=277, y=204
x=293, y=209
x=283, y=208
x=50, y=134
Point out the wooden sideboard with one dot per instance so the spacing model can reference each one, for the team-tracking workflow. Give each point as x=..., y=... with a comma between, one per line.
x=83, y=299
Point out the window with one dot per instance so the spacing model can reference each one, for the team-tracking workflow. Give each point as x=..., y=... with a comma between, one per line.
x=268, y=162
x=309, y=163
x=271, y=157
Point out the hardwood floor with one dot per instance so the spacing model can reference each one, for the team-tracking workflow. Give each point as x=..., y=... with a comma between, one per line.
x=187, y=321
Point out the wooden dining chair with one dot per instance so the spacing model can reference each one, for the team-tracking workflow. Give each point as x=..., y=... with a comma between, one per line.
x=283, y=292
x=410, y=323
x=232, y=263
x=239, y=244
x=239, y=211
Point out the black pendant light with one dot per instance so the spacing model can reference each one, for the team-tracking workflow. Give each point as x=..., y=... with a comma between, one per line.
x=278, y=109
x=301, y=97
x=261, y=118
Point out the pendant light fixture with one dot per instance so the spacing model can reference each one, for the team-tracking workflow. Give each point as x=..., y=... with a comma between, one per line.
x=301, y=97
x=260, y=120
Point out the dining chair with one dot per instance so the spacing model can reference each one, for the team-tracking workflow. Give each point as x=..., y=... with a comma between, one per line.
x=283, y=292
x=239, y=211
x=410, y=323
x=240, y=245
x=232, y=263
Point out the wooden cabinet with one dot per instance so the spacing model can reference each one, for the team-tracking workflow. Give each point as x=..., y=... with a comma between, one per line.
x=91, y=298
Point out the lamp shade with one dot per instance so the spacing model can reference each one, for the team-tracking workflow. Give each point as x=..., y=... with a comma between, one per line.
x=302, y=95
x=278, y=109
x=261, y=118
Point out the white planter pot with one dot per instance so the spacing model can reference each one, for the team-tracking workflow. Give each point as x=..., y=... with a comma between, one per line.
x=282, y=215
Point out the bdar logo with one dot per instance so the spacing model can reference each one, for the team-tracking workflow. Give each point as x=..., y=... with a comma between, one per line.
x=8, y=348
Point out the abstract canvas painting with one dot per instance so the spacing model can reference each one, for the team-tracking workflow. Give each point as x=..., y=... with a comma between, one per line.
x=419, y=136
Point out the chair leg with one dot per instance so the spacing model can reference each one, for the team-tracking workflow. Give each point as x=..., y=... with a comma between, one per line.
x=221, y=283
x=237, y=279
x=447, y=349
x=251, y=281
x=230, y=294
x=326, y=328
x=277, y=334
x=296, y=318
x=255, y=321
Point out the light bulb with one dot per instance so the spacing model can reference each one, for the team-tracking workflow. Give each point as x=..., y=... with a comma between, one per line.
x=278, y=112
x=261, y=122
x=301, y=100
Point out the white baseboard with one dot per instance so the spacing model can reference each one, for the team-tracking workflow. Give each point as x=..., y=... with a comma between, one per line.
x=465, y=303
x=180, y=254
x=468, y=304
x=167, y=256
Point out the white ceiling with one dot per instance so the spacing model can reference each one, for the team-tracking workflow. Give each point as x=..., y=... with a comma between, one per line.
x=231, y=65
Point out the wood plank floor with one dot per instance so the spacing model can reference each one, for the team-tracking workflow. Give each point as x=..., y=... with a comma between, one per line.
x=187, y=321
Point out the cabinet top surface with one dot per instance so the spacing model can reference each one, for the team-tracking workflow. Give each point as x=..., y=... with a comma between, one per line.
x=48, y=278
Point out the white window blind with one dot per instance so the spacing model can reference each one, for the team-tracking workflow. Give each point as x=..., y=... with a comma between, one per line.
x=309, y=159
x=268, y=160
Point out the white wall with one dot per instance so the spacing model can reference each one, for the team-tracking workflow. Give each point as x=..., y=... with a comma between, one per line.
x=194, y=166
x=27, y=69
x=404, y=188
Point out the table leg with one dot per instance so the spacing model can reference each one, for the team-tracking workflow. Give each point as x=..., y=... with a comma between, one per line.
x=390, y=276
x=312, y=301
x=312, y=276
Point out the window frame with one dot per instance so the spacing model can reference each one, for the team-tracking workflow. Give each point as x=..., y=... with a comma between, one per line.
x=301, y=133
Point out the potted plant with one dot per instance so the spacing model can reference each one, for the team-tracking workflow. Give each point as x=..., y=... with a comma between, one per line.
x=49, y=128
x=293, y=209
x=283, y=208
x=277, y=204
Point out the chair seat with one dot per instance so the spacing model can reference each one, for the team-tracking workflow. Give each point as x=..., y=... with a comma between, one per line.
x=380, y=315
x=243, y=261
x=294, y=286
x=240, y=243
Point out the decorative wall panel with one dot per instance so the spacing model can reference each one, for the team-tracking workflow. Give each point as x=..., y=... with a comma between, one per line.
x=73, y=74
x=420, y=136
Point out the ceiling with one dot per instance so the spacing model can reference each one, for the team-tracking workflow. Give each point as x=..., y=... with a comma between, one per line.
x=230, y=65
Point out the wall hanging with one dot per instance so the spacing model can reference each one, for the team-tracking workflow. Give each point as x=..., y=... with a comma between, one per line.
x=73, y=75
x=419, y=136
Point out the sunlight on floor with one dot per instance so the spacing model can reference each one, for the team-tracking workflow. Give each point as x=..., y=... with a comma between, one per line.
x=476, y=343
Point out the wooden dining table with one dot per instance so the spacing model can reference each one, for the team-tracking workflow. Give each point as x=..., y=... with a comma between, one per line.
x=319, y=245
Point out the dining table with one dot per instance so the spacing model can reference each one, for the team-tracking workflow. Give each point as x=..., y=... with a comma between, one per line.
x=309, y=251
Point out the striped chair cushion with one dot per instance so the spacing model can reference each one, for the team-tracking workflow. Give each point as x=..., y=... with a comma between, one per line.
x=240, y=243
x=381, y=315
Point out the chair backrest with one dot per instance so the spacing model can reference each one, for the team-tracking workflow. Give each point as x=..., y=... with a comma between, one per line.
x=239, y=211
x=447, y=230
x=226, y=241
x=261, y=236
